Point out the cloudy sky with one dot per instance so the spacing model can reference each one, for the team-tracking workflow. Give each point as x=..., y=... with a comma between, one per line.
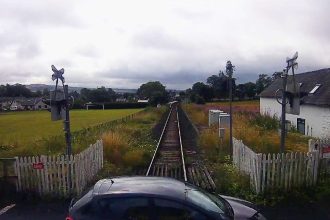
x=121, y=44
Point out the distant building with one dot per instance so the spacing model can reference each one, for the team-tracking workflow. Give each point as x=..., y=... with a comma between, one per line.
x=40, y=105
x=143, y=101
x=121, y=99
x=314, y=117
x=21, y=103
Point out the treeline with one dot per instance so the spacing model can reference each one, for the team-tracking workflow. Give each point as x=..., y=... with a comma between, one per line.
x=217, y=88
x=19, y=90
x=154, y=92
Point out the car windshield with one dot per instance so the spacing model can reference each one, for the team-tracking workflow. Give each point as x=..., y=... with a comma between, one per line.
x=206, y=200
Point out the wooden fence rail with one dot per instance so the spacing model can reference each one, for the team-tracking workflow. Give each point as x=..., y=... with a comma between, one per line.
x=276, y=171
x=59, y=175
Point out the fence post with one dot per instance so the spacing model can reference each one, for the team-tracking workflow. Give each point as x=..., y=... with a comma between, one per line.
x=316, y=156
x=258, y=172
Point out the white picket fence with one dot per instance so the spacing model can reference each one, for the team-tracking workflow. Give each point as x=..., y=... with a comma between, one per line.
x=59, y=175
x=276, y=171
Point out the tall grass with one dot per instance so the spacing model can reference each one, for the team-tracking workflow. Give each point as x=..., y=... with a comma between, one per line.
x=114, y=146
x=259, y=132
x=196, y=114
x=129, y=146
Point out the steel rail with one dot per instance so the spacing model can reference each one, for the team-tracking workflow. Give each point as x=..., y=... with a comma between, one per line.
x=160, y=140
x=181, y=149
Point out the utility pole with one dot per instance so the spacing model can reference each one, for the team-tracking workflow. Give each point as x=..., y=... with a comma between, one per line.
x=229, y=70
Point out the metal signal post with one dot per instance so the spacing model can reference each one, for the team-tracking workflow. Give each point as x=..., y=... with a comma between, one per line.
x=67, y=122
x=291, y=64
x=229, y=70
x=283, y=103
x=60, y=106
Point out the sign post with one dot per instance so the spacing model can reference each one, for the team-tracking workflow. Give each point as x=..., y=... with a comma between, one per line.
x=60, y=110
x=60, y=106
x=229, y=70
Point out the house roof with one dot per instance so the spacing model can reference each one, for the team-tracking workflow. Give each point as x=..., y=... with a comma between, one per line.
x=22, y=100
x=308, y=81
x=28, y=102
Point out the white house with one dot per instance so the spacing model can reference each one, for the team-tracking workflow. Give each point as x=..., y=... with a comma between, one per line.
x=9, y=103
x=314, y=117
x=21, y=103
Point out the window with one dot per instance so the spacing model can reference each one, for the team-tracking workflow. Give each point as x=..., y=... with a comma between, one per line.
x=123, y=208
x=204, y=200
x=301, y=125
x=170, y=210
x=315, y=88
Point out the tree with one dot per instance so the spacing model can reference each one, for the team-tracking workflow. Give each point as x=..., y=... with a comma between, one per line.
x=97, y=95
x=84, y=94
x=276, y=75
x=250, y=89
x=246, y=90
x=112, y=94
x=219, y=84
x=203, y=90
x=17, y=90
x=45, y=92
x=262, y=82
x=38, y=93
x=240, y=91
x=154, y=91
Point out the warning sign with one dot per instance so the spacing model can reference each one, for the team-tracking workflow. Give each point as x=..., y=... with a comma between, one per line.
x=326, y=151
x=38, y=166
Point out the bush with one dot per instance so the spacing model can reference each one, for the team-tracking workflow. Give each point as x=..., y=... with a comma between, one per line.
x=199, y=100
x=265, y=122
x=134, y=158
x=230, y=182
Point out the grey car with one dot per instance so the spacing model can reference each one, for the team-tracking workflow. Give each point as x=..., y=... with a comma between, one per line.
x=156, y=198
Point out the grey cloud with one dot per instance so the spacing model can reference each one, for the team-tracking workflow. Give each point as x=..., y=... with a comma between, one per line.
x=156, y=38
x=14, y=77
x=173, y=79
x=88, y=51
x=28, y=50
x=189, y=14
x=203, y=39
x=39, y=12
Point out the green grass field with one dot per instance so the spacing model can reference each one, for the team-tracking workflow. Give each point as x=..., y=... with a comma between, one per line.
x=19, y=128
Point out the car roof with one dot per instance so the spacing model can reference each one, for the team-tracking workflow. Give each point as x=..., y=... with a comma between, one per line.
x=159, y=186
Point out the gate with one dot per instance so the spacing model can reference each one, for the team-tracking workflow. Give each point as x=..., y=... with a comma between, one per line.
x=323, y=145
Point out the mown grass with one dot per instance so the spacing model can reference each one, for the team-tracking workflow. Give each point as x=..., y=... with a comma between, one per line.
x=32, y=132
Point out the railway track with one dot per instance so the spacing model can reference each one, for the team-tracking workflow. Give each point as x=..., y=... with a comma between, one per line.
x=176, y=154
x=168, y=159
